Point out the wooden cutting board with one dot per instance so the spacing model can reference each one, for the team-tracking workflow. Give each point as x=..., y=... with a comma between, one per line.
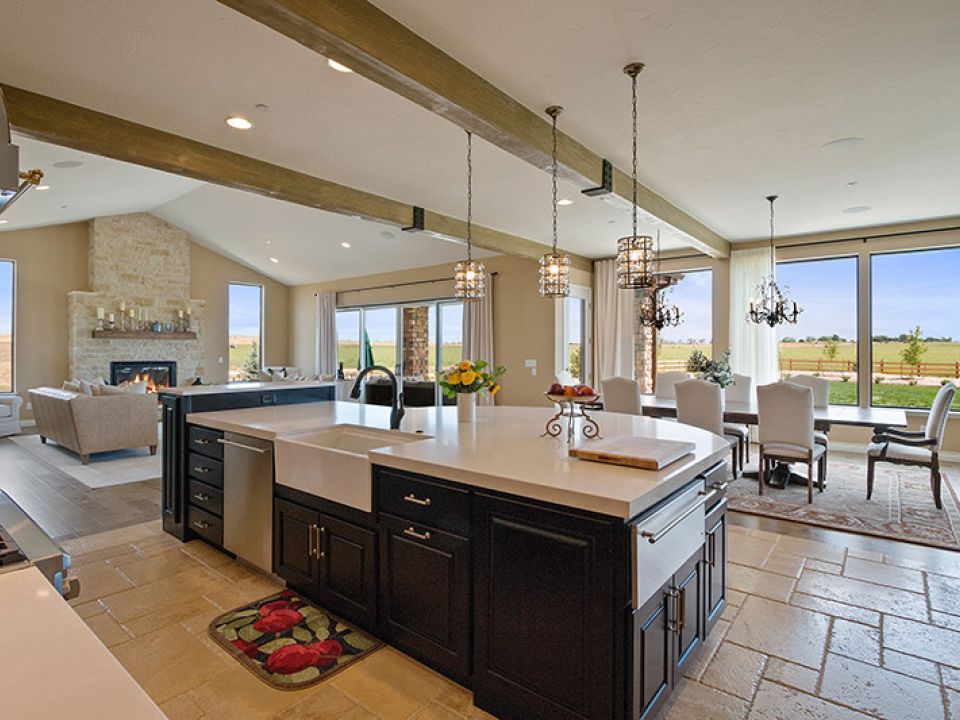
x=638, y=452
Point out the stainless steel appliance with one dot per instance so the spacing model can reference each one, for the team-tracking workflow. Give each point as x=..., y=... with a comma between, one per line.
x=24, y=544
x=248, y=499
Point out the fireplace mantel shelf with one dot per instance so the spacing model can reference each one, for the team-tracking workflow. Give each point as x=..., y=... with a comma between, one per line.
x=142, y=335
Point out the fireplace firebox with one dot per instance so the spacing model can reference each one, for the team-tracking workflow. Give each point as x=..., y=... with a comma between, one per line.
x=158, y=373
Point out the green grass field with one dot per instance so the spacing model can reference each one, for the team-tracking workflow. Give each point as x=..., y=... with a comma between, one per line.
x=6, y=363
x=386, y=354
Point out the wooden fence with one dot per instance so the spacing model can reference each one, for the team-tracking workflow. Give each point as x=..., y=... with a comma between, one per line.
x=880, y=367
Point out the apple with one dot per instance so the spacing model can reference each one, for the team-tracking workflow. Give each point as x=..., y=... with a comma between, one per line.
x=556, y=389
x=586, y=391
x=568, y=391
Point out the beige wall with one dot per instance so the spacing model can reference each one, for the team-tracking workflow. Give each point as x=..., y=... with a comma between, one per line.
x=210, y=275
x=524, y=323
x=52, y=261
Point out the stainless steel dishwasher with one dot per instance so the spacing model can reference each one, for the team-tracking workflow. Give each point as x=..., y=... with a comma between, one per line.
x=248, y=499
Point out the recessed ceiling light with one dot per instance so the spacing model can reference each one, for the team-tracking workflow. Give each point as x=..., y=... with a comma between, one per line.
x=851, y=183
x=43, y=187
x=345, y=244
x=262, y=107
x=239, y=123
x=856, y=209
x=565, y=201
x=339, y=67
x=67, y=164
x=387, y=235
x=274, y=260
x=844, y=143
x=269, y=242
x=4, y=222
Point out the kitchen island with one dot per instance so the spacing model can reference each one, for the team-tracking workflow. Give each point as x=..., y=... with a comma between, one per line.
x=553, y=587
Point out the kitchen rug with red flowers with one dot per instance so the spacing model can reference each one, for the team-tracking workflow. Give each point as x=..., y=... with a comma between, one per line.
x=289, y=643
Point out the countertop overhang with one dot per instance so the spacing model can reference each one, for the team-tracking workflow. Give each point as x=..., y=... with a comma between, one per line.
x=502, y=451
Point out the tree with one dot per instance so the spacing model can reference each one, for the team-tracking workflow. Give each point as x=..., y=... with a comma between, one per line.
x=914, y=351
x=250, y=370
x=831, y=347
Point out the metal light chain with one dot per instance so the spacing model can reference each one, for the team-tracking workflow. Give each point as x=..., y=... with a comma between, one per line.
x=633, y=79
x=554, y=114
x=469, y=196
x=773, y=257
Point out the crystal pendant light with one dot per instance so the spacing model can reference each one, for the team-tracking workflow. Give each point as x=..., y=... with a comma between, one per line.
x=635, y=254
x=469, y=277
x=655, y=310
x=554, y=266
x=771, y=306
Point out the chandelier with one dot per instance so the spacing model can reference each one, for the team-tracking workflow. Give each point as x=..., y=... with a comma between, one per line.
x=655, y=311
x=554, y=266
x=635, y=253
x=469, y=276
x=770, y=306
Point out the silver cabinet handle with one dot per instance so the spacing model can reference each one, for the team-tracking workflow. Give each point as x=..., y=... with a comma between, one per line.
x=321, y=534
x=414, y=534
x=411, y=498
x=201, y=469
x=311, y=541
x=720, y=486
x=201, y=441
x=705, y=498
x=231, y=443
x=201, y=497
x=200, y=524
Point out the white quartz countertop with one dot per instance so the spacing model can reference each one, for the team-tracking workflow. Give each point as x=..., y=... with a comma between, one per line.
x=245, y=387
x=502, y=451
x=54, y=666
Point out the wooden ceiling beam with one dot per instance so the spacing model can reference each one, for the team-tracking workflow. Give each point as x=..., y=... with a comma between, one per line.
x=61, y=123
x=373, y=44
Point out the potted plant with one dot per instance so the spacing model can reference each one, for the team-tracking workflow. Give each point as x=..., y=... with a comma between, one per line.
x=715, y=371
x=465, y=380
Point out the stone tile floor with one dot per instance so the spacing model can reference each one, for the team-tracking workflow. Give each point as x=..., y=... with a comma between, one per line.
x=814, y=630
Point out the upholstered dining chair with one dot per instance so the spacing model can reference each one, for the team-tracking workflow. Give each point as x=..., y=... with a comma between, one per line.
x=741, y=391
x=821, y=399
x=622, y=395
x=666, y=381
x=699, y=404
x=919, y=447
x=785, y=412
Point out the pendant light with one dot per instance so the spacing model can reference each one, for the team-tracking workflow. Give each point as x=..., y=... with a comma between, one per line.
x=554, y=266
x=655, y=310
x=770, y=306
x=635, y=253
x=469, y=277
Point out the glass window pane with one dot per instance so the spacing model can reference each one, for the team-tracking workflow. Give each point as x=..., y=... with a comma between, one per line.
x=451, y=331
x=824, y=340
x=694, y=296
x=245, y=329
x=348, y=341
x=380, y=343
x=573, y=333
x=6, y=326
x=915, y=326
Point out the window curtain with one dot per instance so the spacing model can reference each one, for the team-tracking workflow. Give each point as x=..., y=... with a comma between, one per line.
x=326, y=351
x=753, y=348
x=612, y=324
x=478, y=332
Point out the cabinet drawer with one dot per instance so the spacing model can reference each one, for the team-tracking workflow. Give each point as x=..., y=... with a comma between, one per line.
x=423, y=502
x=205, y=469
x=203, y=441
x=208, y=526
x=206, y=497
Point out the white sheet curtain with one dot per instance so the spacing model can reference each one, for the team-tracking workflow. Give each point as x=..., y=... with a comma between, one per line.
x=326, y=351
x=478, y=332
x=612, y=324
x=753, y=348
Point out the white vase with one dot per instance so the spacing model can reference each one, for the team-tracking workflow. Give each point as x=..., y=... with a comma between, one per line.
x=466, y=407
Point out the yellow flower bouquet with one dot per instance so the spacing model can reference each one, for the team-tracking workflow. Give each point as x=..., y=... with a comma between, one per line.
x=471, y=377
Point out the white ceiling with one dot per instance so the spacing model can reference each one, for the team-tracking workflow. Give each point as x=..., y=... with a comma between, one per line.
x=738, y=97
x=184, y=66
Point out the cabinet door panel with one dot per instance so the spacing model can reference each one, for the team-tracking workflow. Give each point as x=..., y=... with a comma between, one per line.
x=715, y=566
x=425, y=594
x=652, y=653
x=348, y=570
x=688, y=587
x=294, y=536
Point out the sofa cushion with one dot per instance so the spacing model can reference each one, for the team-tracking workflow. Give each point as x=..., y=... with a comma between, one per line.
x=5, y=411
x=71, y=386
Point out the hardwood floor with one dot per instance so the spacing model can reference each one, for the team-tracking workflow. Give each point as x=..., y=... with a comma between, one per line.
x=66, y=508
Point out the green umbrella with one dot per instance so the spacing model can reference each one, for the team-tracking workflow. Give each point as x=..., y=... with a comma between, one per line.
x=367, y=351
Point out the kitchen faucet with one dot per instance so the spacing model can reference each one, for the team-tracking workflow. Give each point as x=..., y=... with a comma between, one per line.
x=396, y=395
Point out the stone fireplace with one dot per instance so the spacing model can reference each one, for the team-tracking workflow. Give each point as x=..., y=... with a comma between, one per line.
x=143, y=262
x=158, y=374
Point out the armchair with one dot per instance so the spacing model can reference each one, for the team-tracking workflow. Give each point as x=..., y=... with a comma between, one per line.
x=920, y=448
x=10, y=404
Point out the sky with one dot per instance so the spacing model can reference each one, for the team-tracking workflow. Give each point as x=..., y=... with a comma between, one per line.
x=245, y=308
x=382, y=324
x=694, y=296
x=6, y=297
x=917, y=288
x=826, y=291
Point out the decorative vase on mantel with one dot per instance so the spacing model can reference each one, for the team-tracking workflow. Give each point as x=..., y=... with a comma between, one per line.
x=466, y=407
x=464, y=380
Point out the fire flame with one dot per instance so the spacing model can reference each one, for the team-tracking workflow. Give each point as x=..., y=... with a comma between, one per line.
x=152, y=386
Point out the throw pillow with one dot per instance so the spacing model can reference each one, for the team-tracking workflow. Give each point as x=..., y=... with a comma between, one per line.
x=266, y=376
x=104, y=390
x=137, y=388
x=283, y=372
x=86, y=387
x=71, y=386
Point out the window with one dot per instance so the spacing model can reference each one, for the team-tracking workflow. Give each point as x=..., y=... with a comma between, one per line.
x=915, y=296
x=451, y=333
x=6, y=324
x=348, y=340
x=573, y=348
x=824, y=340
x=245, y=329
x=693, y=294
x=380, y=337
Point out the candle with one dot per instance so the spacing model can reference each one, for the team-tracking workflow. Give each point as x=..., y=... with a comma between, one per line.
x=189, y=311
x=180, y=314
x=99, y=313
x=111, y=316
x=132, y=313
x=123, y=306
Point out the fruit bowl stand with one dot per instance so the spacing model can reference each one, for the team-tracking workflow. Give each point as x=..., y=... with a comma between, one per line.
x=572, y=407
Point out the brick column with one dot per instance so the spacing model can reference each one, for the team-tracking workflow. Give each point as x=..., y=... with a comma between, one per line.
x=416, y=340
x=644, y=346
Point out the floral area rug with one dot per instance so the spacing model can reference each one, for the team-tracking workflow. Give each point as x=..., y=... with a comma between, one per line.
x=289, y=643
x=901, y=507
